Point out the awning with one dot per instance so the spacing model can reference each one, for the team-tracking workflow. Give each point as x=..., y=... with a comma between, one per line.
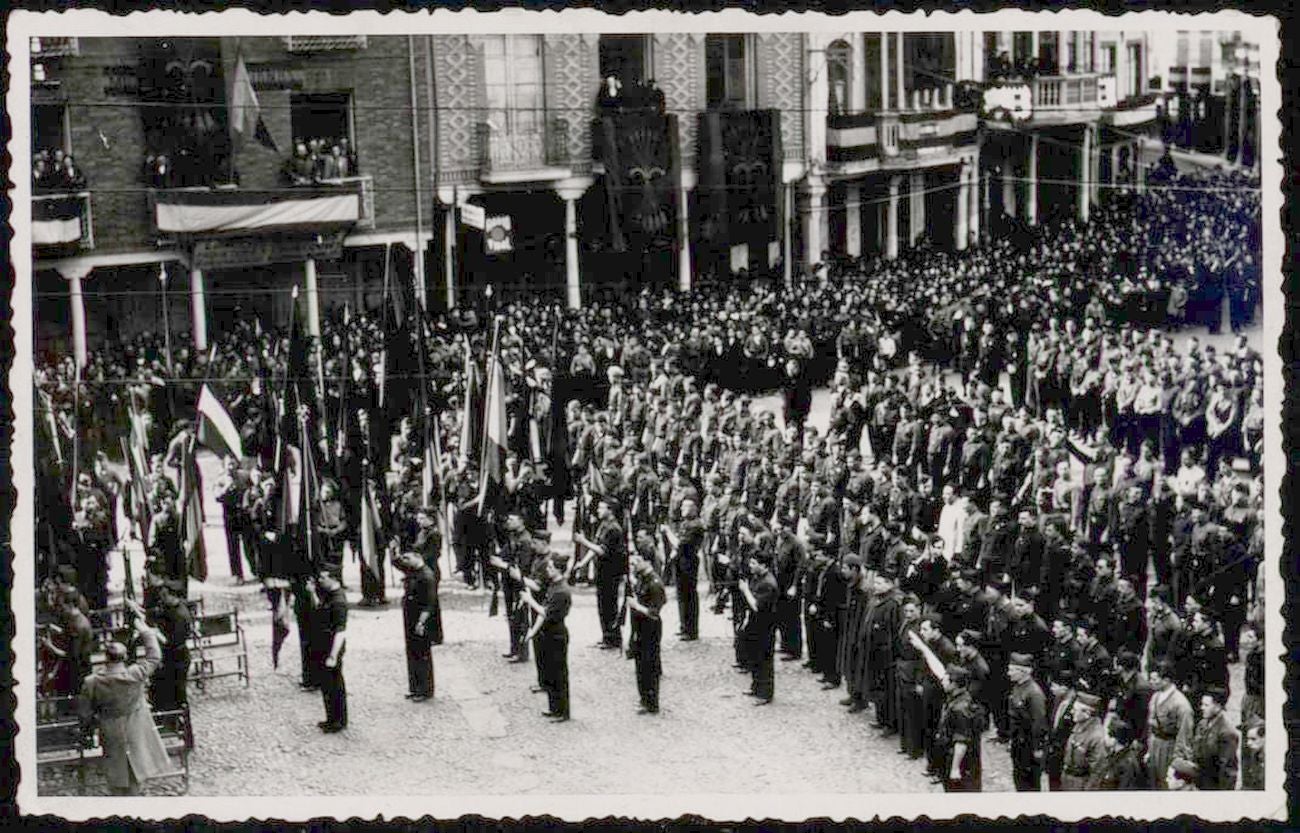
x=204, y=211
x=56, y=221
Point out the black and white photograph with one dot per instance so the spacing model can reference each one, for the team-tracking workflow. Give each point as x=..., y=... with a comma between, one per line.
x=739, y=415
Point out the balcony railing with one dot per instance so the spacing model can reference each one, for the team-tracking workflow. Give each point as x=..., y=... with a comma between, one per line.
x=324, y=43
x=521, y=153
x=60, y=220
x=337, y=204
x=1073, y=92
x=892, y=136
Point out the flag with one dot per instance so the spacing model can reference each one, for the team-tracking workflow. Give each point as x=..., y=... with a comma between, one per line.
x=492, y=470
x=372, y=554
x=245, y=110
x=191, y=498
x=216, y=427
x=470, y=425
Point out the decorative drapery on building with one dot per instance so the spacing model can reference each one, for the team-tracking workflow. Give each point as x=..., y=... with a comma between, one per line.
x=640, y=156
x=740, y=170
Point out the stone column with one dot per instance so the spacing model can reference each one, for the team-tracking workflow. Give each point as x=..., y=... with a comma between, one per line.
x=74, y=275
x=858, y=80
x=916, y=207
x=884, y=70
x=898, y=65
x=1062, y=53
x=853, y=220
x=818, y=93
x=572, y=278
x=977, y=56
x=814, y=223
x=684, y=267
x=891, y=217
x=1031, y=182
x=961, y=223
x=198, y=311
x=973, y=213
x=787, y=233
x=313, y=298
x=1033, y=44
x=1085, y=166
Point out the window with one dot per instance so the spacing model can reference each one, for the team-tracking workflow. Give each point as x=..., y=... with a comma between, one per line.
x=50, y=128
x=728, y=64
x=839, y=75
x=627, y=58
x=512, y=71
x=324, y=119
x=1136, y=87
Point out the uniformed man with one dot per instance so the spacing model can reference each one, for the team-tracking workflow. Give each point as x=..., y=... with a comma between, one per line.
x=1060, y=727
x=1214, y=743
x=513, y=561
x=1085, y=751
x=552, y=637
x=419, y=604
x=1026, y=723
x=909, y=669
x=647, y=631
x=610, y=549
x=959, y=731
x=759, y=592
x=332, y=624
x=1170, y=723
x=171, y=615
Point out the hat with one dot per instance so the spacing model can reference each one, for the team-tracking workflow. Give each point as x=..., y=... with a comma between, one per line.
x=612, y=502
x=1090, y=700
x=1023, y=660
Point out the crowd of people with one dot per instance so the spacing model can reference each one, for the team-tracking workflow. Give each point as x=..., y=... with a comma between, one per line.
x=319, y=160
x=1035, y=508
x=54, y=170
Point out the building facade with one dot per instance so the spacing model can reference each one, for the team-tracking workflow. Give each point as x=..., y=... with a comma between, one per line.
x=562, y=164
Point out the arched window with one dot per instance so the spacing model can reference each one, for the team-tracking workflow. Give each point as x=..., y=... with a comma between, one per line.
x=839, y=75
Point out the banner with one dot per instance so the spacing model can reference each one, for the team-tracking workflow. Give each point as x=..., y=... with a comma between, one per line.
x=639, y=152
x=56, y=220
x=217, y=428
x=740, y=164
x=498, y=235
x=206, y=211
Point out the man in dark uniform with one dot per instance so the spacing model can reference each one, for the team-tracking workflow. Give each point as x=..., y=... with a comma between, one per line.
x=1060, y=726
x=552, y=637
x=909, y=669
x=419, y=602
x=686, y=538
x=610, y=550
x=760, y=592
x=826, y=619
x=961, y=725
x=1214, y=743
x=332, y=623
x=647, y=631
x=1026, y=724
x=789, y=566
x=171, y=616
x=512, y=562
x=884, y=618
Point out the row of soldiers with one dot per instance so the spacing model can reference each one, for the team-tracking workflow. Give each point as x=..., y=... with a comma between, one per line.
x=1053, y=580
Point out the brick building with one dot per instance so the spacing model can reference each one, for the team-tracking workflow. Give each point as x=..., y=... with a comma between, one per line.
x=555, y=163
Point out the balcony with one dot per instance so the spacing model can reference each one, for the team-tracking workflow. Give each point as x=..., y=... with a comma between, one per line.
x=524, y=155
x=1135, y=111
x=323, y=43
x=44, y=47
x=1071, y=99
x=930, y=128
x=63, y=221
x=331, y=205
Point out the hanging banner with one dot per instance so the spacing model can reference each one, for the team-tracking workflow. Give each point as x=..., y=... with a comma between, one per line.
x=740, y=170
x=474, y=216
x=639, y=153
x=498, y=235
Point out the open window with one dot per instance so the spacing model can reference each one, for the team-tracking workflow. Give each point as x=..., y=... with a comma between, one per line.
x=626, y=58
x=839, y=75
x=322, y=127
x=730, y=72
x=512, y=73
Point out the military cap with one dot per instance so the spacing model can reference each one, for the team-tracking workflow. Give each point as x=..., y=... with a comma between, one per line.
x=1021, y=659
x=1088, y=699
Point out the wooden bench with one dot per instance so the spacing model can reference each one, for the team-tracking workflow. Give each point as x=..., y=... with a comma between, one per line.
x=220, y=648
x=62, y=741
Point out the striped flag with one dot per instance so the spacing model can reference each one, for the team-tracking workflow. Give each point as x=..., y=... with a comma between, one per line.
x=216, y=427
x=191, y=512
x=492, y=471
x=245, y=109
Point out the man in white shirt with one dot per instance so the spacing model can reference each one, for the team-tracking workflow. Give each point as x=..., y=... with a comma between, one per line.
x=952, y=522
